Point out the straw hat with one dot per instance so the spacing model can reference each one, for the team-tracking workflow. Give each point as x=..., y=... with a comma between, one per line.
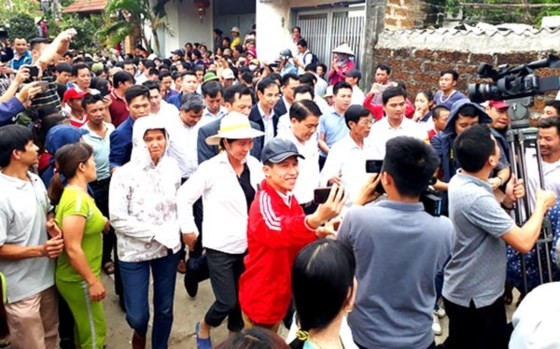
x=344, y=49
x=234, y=126
x=235, y=30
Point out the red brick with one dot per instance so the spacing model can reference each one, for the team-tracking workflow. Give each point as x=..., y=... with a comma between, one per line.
x=471, y=69
x=435, y=66
x=424, y=78
x=453, y=56
x=412, y=64
x=407, y=23
x=475, y=58
x=391, y=22
x=516, y=58
x=395, y=64
x=402, y=53
x=401, y=75
x=426, y=54
x=548, y=72
x=383, y=52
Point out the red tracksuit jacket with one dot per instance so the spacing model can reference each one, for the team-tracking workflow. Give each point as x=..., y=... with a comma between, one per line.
x=275, y=234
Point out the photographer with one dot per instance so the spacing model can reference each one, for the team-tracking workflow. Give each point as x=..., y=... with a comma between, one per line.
x=12, y=103
x=396, y=290
x=475, y=274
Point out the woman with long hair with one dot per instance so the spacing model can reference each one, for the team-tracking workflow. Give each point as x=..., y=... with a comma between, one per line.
x=78, y=268
x=423, y=105
x=324, y=289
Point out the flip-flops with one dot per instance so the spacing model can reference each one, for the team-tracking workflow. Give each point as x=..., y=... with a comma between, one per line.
x=202, y=343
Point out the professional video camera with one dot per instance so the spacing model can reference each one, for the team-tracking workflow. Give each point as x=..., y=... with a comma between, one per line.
x=515, y=85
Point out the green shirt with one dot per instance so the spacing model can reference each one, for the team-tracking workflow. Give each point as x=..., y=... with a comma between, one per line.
x=74, y=202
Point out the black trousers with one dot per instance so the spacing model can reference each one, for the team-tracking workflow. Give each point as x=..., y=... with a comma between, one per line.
x=481, y=328
x=101, y=194
x=225, y=270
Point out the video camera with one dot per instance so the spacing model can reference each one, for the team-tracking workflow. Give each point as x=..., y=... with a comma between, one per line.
x=430, y=198
x=516, y=85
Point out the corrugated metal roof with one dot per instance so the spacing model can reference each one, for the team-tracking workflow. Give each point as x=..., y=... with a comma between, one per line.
x=86, y=6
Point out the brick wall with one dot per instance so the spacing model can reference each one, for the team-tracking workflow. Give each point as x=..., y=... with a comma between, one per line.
x=419, y=68
x=405, y=14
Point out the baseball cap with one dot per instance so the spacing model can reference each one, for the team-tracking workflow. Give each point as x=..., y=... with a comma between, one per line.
x=286, y=53
x=97, y=67
x=354, y=73
x=498, y=104
x=278, y=150
x=72, y=93
x=210, y=76
x=227, y=74
x=179, y=52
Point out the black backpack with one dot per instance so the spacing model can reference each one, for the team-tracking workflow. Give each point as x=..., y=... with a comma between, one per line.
x=314, y=58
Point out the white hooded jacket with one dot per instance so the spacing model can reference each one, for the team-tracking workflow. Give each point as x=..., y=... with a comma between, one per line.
x=142, y=202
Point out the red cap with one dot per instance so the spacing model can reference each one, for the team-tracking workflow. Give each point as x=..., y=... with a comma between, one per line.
x=498, y=104
x=72, y=93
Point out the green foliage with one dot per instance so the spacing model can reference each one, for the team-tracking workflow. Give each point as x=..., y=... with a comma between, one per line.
x=504, y=13
x=32, y=8
x=22, y=25
x=85, y=26
x=130, y=16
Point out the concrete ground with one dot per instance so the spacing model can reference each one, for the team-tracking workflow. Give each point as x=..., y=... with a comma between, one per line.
x=188, y=312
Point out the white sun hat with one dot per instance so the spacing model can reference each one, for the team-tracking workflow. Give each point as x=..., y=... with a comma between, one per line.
x=234, y=126
x=344, y=49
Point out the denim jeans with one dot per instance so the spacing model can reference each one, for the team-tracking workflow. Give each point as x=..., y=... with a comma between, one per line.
x=136, y=280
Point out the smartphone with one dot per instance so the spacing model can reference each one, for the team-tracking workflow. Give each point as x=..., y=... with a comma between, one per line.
x=320, y=195
x=374, y=166
x=104, y=91
x=44, y=85
x=33, y=72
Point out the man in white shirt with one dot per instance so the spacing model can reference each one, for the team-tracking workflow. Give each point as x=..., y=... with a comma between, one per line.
x=304, y=120
x=346, y=163
x=353, y=77
x=549, y=145
x=212, y=92
x=159, y=107
x=266, y=113
x=183, y=134
x=394, y=123
x=302, y=92
x=289, y=82
x=304, y=57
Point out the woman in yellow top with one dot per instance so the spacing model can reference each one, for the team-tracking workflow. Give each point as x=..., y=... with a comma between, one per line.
x=79, y=267
x=235, y=38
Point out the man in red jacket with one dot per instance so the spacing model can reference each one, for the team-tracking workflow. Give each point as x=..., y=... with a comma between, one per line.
x=277, y=230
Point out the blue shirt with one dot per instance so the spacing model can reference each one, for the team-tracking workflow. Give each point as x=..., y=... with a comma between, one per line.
x=333, y=126
x=17, y=62
x=399, y=249
x=169, y=95
x=9, y=111
x=121, y=144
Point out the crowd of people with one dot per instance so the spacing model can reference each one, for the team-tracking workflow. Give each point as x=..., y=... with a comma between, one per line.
x=211, y=164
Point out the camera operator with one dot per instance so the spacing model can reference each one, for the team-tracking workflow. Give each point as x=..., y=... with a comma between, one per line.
x=549, y=144
x=475, y=274
x=396, y=289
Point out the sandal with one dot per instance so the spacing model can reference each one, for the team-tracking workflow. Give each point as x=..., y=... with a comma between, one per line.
x=182, y=266
x=109, y=268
